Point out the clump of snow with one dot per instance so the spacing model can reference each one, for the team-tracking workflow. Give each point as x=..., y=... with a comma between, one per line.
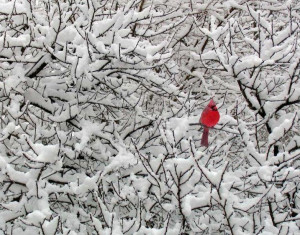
x=33, y=96
x=123, y=159
x=280, y=130
x=36, y=217
x=88, y=130
x=89, y=183
x=46, y=153
x=51, y=225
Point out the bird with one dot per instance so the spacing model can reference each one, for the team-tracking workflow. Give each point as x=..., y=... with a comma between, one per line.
x=209, y=118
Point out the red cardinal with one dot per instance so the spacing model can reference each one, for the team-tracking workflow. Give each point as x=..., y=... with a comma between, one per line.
x=209, y=118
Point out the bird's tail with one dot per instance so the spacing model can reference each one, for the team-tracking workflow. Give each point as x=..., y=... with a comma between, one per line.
x=204, y=140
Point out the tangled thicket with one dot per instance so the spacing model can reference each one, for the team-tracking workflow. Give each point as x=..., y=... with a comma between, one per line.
x=100, y=101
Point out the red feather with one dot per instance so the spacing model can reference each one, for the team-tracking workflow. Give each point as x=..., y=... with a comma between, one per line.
x=209, y=118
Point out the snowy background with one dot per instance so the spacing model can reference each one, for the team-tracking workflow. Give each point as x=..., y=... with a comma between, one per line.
x=99, y=104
